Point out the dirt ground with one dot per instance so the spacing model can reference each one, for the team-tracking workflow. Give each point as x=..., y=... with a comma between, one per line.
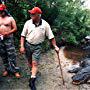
x=49, y=76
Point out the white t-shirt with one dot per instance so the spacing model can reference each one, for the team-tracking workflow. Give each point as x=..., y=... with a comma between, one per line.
x=36, y=35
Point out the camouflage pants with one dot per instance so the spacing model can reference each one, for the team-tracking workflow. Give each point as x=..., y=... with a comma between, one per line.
x=8, y=53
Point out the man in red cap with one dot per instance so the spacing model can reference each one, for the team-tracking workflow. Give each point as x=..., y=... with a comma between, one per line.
x=7, y=48
x=34, y=32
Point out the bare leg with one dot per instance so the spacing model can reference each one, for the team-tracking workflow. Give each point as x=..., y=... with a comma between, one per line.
x=34, y=68
x=33, y=76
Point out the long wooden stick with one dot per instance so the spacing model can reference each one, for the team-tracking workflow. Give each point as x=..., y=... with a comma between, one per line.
x=60, y=68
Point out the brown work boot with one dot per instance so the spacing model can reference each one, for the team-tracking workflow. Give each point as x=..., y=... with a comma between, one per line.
x=5, y=73
x=17, y=75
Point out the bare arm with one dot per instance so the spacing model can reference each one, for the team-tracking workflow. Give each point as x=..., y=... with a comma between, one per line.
x=53, y=41
x=13, y=25
x=22, y=41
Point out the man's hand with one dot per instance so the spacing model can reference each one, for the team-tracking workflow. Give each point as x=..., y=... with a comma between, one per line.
x=57, y=49
x=22, y=50
x=5, y=34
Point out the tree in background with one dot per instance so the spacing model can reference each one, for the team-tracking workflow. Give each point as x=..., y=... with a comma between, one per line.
x=72, y=22
x=68, y=20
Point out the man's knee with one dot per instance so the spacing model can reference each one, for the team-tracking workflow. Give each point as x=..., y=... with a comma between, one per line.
x=34, y=63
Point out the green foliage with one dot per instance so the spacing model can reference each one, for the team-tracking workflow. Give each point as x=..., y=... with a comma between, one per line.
x=72, y=21
x=66, y=17
x=71, y=39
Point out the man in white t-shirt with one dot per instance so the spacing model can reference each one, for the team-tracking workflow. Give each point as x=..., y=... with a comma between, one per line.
x=34, y=32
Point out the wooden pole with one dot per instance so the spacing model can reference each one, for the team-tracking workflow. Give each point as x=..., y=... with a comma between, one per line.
x=60, y=68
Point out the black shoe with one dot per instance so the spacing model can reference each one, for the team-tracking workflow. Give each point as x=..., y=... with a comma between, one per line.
x=32, y=83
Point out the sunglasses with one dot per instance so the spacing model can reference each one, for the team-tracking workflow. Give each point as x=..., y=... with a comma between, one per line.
x=32, y=15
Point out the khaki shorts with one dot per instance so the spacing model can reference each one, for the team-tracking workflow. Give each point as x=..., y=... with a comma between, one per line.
x=33, y=51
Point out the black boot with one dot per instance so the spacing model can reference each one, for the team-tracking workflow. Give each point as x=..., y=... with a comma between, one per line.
x=32, y=83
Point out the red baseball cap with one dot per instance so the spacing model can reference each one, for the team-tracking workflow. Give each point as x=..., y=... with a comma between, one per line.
x=2, y=7
x=35, y=10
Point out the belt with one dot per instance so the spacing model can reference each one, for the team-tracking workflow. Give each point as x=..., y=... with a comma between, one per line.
x=33, y=44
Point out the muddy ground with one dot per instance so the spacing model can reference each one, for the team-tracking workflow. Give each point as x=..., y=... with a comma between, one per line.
x=49, y=76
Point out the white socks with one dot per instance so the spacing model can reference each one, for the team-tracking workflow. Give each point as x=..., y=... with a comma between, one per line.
x=32, y=76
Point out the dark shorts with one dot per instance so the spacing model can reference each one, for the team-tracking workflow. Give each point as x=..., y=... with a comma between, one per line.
x=33, y=51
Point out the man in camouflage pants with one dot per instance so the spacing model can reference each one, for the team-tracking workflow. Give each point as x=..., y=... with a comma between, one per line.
x=7, y=48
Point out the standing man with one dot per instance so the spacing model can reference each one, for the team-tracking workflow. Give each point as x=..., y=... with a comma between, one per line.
x=32, y=36
x=7, y=48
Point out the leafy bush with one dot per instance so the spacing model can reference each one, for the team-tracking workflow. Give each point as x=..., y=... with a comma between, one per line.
x=66, y=17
